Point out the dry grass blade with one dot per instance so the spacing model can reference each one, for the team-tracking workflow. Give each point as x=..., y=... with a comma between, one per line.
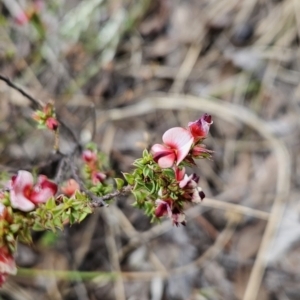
x=213, y=203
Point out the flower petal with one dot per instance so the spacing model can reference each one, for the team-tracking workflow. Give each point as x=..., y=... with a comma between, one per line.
x=167, y=161
x=70, y=187
x=22, y=181
x=163, y=208
x=43, y=190
x=19, y=201
x=200, y=127
x=20, y=186
x=179, y=139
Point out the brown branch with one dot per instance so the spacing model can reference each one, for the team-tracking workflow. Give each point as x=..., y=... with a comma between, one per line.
x=38, y=104
x=96, y=200
x=35, y=102
x=125, y=190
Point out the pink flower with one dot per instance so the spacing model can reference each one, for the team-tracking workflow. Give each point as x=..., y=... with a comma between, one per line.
x=52, y=123
x=7, y=264
x=167, y=207
x=89, y=156
x=189, y=184
x=98, y=177
x=24, y=195
x=200, y=128
x=163, y=207
x=178, y=142
x=70, y=187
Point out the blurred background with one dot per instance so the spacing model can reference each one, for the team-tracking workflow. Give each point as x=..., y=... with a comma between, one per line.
x=121, y=72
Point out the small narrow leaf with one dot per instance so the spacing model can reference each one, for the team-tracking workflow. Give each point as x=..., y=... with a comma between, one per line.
x=119, y=182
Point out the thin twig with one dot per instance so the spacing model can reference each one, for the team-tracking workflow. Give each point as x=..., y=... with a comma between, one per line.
x=34, y=101
x=96, y=200
x=61, y=168
x=39, y=104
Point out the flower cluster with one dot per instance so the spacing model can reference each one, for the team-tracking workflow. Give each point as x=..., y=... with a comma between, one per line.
x=46, y=118
x=25, y=195
x=160, y=183
x=27, y=204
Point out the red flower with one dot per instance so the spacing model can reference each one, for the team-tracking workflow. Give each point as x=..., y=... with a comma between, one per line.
x=89, y=156
x=52, y=123
x=178, y=142
x=189, y=184
x=163, y=207
x=200, y=128
x=167, y=207
x=24, y=195
x=7, y=264
x=70, y=187
x=98, y=177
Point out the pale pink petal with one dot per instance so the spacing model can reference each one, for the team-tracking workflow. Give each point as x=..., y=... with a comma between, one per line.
x=157, y=148
x=20, y=186
x=167, y=161
x=196, y=197
x=185, y=181
x=163, y=155
x=22, y=181
x=19, y=201
x=183, y=152
x=179, y=139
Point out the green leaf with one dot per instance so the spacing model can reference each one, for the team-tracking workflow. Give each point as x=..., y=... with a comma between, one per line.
x=119, y=182
x=40, y=126
x=87, y=210
x=71, y=219
x=14, y=228
x=129, y=178
x=80, y=196
x=146, y=171
x=50, y=204
x=145, y=153
x=75, y=214
x=138, y=196
x=58, y=223
x=150, y=186
x=169, y=172
x=82, y=216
